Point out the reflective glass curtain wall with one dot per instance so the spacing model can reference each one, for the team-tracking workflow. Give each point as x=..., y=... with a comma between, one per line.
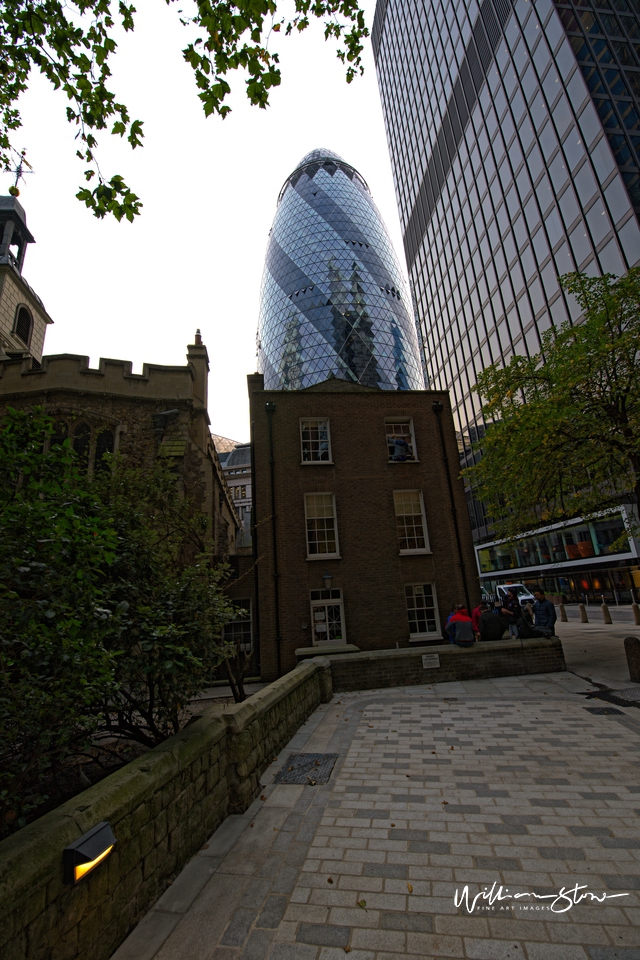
x=501, y=119
x=333, y=300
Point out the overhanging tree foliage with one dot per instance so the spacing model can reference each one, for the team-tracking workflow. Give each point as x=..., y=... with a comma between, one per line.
x=111, y=608
x=71, y=42
x=563, y=434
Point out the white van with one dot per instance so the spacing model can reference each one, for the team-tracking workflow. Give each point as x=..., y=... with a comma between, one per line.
x=523, y=593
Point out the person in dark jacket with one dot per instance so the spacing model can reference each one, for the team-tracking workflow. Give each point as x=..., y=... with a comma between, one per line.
x=491, y=626
x=544, y=614
x=511, y=612
x=460, y=628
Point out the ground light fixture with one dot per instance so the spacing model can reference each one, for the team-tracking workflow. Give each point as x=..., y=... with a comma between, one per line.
x=84, y=855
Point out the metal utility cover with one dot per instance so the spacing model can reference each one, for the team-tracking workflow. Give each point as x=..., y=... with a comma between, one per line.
x=628, y=693
x=309, y=768
x=604, y=711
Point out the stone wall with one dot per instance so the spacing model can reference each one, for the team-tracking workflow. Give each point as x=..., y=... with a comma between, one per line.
x=161, y=808
x=398, y=668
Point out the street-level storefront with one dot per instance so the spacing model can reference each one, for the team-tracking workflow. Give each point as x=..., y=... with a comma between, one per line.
x=583, y=559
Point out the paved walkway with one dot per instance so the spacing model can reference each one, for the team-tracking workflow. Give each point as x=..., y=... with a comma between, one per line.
x=596, y=651
x=512, y=781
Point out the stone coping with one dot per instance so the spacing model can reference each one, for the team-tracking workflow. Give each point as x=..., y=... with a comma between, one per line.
x=31, y=875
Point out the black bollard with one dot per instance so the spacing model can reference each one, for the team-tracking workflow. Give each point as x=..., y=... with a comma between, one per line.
x=632, y=650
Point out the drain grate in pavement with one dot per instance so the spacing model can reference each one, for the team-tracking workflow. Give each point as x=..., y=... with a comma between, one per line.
x=604, y=711
x=628, y=693
x=310, y=768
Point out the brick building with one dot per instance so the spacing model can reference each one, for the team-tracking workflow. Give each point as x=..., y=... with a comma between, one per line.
x=361, y=529
x=161, y=412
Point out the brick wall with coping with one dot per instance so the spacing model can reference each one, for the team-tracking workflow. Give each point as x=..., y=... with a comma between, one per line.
x=161, y=807
x=398, y=668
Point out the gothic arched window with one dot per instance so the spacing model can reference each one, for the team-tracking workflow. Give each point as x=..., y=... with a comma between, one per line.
x=60, y=433
x=24, y=325
x=82, y=440
x=104, y=444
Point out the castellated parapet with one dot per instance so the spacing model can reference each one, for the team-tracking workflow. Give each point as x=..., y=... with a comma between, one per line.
x=161, y=412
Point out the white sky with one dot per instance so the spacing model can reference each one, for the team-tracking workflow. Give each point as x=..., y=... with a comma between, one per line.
x=194, y=257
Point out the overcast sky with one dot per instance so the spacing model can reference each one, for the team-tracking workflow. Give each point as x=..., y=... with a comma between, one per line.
x=194, y=258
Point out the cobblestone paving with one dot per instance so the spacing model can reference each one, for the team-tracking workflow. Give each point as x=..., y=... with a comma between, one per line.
x=509, y=782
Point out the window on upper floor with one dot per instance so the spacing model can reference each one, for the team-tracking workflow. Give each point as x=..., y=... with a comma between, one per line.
x=322, y=531
x=401, y=442
x=24, y=325
x=411, y=521
x=315, y=441
x=422, y=609
x=239, y=493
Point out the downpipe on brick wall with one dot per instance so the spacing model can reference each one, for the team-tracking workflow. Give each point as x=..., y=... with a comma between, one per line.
x=254, y=544
x=271, y=409
x=437, y=407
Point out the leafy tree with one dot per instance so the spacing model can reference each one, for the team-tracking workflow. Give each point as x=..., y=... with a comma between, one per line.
x=55, y=544
x=111, y=607
x=165, y=578
x=563, y=434
x=71, y=42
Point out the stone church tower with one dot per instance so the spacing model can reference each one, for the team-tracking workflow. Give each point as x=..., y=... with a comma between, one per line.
x=23, y=318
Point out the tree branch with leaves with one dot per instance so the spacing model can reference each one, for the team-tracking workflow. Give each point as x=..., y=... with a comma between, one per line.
x=563, y=426
x=71, y=42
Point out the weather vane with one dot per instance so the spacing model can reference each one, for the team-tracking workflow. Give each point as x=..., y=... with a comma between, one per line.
x=19, y=172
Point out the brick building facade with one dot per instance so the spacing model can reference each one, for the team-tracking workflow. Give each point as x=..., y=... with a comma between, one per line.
x=161, y=412
x=368, y=518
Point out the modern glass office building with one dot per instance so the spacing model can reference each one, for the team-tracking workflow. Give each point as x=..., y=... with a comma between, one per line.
x=333, y=299
x=514, y=133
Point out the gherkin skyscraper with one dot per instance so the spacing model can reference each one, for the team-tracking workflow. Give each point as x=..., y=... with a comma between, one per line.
x=333, y=299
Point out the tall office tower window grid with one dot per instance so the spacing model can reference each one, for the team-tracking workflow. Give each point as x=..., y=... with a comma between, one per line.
x=333, y=299
x=504, y=171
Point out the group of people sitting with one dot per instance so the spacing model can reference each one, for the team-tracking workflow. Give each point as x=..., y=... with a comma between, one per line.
x=486, y=623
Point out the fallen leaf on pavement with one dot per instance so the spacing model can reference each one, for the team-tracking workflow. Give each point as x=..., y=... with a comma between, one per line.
x=329, y=879
x=409, y=888
x=362, y=904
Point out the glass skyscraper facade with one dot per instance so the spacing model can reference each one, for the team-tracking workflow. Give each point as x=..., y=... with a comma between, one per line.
x=333, y=299
x=514, y=133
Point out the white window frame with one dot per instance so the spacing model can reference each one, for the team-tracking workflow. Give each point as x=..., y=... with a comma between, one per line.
x=416, y=637
x=245, y=604
x=306, y=463
x=333, y=598
x=400, y=420
x=321, y=556
x=411, y=551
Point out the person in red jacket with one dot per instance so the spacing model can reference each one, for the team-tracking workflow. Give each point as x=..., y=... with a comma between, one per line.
x=460, y=628
x=476, y=613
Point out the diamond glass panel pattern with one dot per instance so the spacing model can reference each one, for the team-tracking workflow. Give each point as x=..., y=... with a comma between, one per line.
x=333, y=300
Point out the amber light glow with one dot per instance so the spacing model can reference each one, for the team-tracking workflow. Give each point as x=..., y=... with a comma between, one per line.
x=82, y=869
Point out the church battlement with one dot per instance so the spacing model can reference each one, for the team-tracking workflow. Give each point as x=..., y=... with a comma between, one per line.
x=68, y=371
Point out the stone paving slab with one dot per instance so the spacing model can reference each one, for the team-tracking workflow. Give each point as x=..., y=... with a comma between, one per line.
x=508, y=784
